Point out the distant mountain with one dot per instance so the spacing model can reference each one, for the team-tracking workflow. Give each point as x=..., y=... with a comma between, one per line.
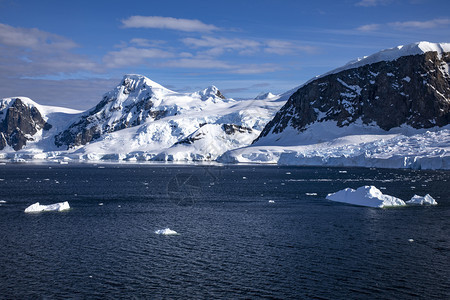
x=401, y=90
x=138, y=120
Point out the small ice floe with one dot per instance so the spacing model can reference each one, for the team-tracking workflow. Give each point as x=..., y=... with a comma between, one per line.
x=166, y=231
x=271, y=201
x=2, y=201
x=288, y=173
x=365, y=196
x=419, y=200
x=343, y=172
x=410, y=240
x=100, y=204
x=311, y=194
x=36, y=207
x=101, y=167
x=1, y=179
x=243, y=177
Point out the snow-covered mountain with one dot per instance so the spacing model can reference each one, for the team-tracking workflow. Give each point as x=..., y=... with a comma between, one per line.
x=142, y=120
x=390, y=109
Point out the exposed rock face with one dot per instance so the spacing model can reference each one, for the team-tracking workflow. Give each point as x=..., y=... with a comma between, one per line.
x=412, y=90
x=130, y=104
x=19, y=124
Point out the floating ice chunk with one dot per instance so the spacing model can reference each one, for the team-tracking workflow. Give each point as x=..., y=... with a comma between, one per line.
x=166, y=231
x=101, y=204
x=311, y=194
x=410, y=240
x=36, y=207
x=271, y=201
x=2, y=201
x=419, y=200
x=365, y=196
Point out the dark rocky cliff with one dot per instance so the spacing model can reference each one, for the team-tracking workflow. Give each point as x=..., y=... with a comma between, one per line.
x=19, y=124
x=412, y=90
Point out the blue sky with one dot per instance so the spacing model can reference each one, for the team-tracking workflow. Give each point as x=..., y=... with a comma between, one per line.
x=68, y=53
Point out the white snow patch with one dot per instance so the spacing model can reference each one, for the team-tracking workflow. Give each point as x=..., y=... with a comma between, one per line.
x=368, y=196
x=36, y=207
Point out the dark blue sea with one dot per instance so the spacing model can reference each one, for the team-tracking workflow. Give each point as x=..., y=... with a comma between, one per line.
x=232, y=243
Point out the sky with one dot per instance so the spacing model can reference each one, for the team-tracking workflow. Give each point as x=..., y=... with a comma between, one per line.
x=69, y=53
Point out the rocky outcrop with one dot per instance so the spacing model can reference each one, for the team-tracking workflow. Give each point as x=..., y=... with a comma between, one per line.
x=413, y=90
x=19, y=124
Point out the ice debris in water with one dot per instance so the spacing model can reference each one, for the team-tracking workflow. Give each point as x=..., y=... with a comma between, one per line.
x=36, y=207
x=419, y=200
x=166, y=231
x=372, y=197
x=365, y=196
x=271, y=201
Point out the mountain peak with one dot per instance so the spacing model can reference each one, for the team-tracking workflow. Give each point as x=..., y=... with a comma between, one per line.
x=210, y=92
x=393, y=54
x=136, y=82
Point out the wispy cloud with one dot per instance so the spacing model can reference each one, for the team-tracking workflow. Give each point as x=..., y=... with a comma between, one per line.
x=132, y=56
x=188, y=25
x=420, y=24
x=281, y=47
x=370, y=3
x=369, y=27
x=33, y=38
x=198, y=63
x=219, y=45
x=246, y=46
x=33, y=52
x=408, y=25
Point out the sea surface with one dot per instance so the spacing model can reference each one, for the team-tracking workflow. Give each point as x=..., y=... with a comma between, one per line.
x=243, y=232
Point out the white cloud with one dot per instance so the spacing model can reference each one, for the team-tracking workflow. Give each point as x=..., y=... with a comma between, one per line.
x=132, y=56
x=33, y=52
x=188, y=25
x=369, y=3
x=420, y=24
x=146, y=43
x=408, y=25
x=369, y=27
x=198, y=63
x=33, y=38
x=256, y=69
x=285, y=47
x=222, y=43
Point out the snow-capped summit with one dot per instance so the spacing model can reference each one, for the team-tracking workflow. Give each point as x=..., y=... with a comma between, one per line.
x=211, y=93
x=395, y=53
x=267, y=96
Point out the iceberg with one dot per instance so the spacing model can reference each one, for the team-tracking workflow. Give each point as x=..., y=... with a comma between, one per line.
x=166, y=231
x=36, y=207
x=368, y=196
x=419, y=200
